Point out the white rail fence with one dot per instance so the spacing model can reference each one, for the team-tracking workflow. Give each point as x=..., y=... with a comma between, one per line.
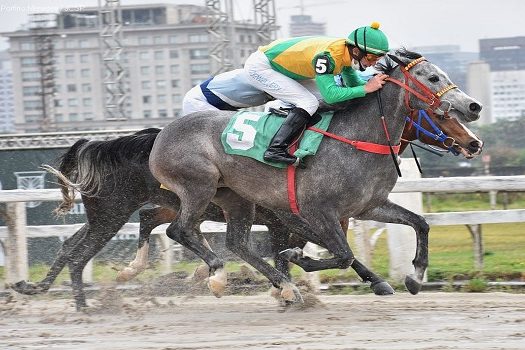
x=14, y=235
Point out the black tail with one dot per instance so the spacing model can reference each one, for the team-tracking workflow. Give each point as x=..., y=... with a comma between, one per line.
x=86, y=164
x=97, y=160
x=67, y=169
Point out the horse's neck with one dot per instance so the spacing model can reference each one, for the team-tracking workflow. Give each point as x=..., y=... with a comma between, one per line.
x=363, y=122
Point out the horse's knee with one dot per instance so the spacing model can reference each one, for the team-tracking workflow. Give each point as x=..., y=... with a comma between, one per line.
x=347, y=260
x=174, y=231
x=421, y=225
x=425, y=227
x=146, y=214
x=180, y=234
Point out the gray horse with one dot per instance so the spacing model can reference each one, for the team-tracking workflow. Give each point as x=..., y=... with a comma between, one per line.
x=340, y=181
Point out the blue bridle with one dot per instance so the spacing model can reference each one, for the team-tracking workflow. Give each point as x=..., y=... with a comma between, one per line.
x=437, y=135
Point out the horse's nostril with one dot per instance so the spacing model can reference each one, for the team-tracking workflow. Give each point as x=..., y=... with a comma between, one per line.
x=474, y=107
x=475, y=145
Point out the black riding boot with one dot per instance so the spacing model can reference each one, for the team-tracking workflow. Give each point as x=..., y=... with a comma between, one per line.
x=291, y=128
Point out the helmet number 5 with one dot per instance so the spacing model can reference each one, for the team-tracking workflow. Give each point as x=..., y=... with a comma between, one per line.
x=321, y=65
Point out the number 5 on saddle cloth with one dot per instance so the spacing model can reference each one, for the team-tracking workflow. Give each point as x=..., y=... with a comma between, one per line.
x=249, y=134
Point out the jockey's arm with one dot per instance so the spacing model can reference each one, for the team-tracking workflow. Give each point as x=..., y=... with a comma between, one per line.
x=351, y=78
x=324, y=66
x=332, y=93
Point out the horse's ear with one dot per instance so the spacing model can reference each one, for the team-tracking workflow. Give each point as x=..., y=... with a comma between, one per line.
x=396, y=59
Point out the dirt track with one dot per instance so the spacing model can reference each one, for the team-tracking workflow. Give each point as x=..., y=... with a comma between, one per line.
x=427, y=321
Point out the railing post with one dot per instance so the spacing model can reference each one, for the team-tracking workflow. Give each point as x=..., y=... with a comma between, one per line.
x=401, y=238
x=167, y=256
x=493, y=195
x=16, y=243
x=477, y=245
x=363, y=249
x=87, y=273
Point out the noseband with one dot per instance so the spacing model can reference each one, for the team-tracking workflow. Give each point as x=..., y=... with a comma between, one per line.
x=436, y=134
x=425, y=94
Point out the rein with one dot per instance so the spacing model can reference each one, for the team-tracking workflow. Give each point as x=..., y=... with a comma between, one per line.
x=360, y=145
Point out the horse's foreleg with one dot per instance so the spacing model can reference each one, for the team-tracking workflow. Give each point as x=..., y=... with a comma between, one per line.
x=321, y=229
x=279, y=241
x=378, y=285
x=149, y=219
x=395, y=214
x=280, y=238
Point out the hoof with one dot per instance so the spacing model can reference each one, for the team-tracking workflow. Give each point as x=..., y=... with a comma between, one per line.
x=128, y=273
x=85, y=308
x=217, y=283
x=291, y=294
x=291, y=253
x=275, y=293
x=382, y=288
x=413, y=285
x=28, y=288
x=201, y=273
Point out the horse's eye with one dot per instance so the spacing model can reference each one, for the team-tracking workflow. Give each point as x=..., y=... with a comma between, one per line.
x=433, y=78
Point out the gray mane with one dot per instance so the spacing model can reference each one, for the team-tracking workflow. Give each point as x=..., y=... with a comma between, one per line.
x=386, y=65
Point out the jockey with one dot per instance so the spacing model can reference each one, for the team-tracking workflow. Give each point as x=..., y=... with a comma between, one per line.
x=227, y=91
x=278, y=68
x=230, y=91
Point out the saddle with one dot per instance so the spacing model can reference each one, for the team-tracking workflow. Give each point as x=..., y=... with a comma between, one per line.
x=249, y=133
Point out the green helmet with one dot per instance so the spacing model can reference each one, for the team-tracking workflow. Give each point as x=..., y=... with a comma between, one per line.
x=369, y=39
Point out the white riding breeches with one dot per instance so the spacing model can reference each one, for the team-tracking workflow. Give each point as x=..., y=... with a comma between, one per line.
x=195, y=101
x=262, y=76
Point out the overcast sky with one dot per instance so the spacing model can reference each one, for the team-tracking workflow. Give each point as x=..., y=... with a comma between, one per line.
x=406, y=22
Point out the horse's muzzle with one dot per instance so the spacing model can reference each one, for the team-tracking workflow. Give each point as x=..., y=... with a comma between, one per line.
x=473, y=111
x=475, y=147
x=475, y=107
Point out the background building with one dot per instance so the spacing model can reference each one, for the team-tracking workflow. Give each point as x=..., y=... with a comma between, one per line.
x=7, y=112
x=503, y=54
x=451, y=59
x=508, y=94
x=302, y=25
x=495, y=76
x=165, y=53
x=506, y=58
x=478, y=86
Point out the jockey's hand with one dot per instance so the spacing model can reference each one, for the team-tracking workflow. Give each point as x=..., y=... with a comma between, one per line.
x=375, y=83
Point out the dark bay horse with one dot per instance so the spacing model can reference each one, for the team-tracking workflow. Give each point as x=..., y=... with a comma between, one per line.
x=114, y=180
x=340, y=181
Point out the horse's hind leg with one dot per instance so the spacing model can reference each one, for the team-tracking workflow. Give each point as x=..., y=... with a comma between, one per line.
x=98, y=235
x=149, y=219
x=241, y=213
x=61, y=260
x=395, y=214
